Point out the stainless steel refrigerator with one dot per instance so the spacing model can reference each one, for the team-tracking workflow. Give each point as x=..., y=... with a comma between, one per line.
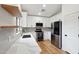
x=56, y=33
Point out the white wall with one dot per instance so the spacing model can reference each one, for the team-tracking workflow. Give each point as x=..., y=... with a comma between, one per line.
x=70, y=8
x=32, y=20
x=70, y=26
x=5, y=33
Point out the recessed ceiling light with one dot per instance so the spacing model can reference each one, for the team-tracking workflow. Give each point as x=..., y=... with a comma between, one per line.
x=44, y=5
x=39, y=13
x=42, y=10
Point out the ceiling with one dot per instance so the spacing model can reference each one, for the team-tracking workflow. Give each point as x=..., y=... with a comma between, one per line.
x=46, y=10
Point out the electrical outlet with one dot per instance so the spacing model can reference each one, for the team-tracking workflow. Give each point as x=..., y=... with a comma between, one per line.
x=9, y=38
x=78, y=17
x=78, y=35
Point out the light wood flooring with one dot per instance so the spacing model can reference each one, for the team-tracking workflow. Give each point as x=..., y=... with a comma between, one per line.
x=48, y=48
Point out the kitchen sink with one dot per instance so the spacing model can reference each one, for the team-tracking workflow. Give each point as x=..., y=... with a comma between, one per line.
x=26, y=36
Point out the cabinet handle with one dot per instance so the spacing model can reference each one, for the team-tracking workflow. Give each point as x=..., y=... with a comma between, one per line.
x=65, y=34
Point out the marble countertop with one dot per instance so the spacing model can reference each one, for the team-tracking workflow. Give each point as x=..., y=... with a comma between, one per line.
x=25, y=46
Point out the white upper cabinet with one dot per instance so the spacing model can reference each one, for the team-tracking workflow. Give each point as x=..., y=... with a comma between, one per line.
x=23, y=19
x=32, y=20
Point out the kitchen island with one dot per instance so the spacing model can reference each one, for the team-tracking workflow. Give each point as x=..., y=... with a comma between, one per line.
x=26, y=45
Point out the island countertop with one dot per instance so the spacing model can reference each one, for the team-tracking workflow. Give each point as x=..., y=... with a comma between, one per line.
x=25, y=46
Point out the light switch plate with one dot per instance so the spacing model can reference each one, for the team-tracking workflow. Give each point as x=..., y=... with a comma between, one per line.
x=78, y=35
x=78, y=17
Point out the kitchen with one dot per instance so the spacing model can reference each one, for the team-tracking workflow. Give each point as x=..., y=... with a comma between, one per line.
x=36, y=29
x=23, y=22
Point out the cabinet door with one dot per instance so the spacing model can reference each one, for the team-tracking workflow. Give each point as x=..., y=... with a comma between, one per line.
x=47, y=35
x=24, y=19
x=30, y=21
x=48, y=23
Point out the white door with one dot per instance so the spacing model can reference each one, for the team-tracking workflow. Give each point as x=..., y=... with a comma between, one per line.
x=70, y=33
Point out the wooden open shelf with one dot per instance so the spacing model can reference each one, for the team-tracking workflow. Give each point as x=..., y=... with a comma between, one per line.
x=8, y=26
x=13, y=10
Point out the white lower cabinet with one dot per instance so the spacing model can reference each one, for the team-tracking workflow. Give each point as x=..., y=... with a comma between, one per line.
x=47, y=35
x=34, y=34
